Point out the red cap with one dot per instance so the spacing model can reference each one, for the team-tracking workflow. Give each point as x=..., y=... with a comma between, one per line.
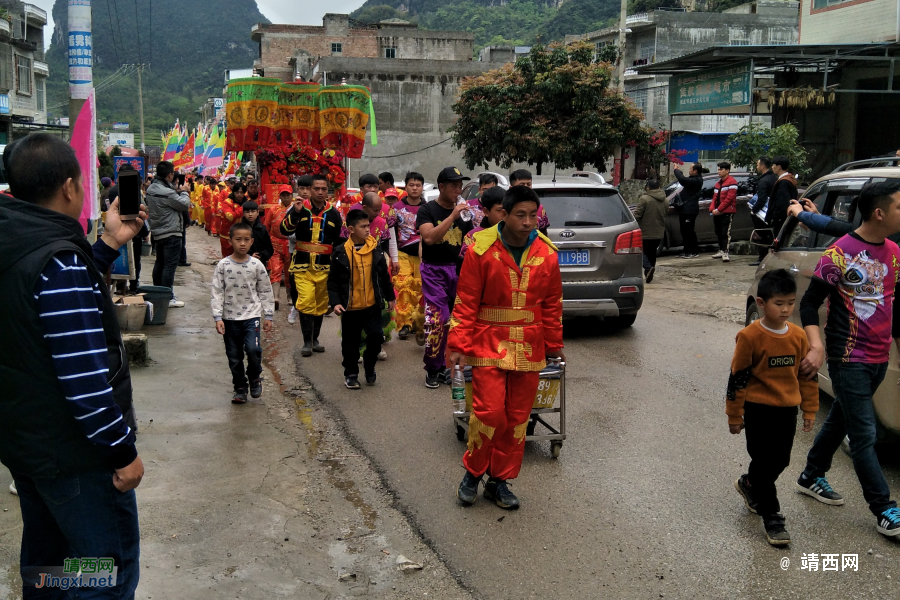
x=391, y=192
x=285, y=188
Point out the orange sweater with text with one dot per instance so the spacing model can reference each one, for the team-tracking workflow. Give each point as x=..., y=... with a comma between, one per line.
x=766, y=370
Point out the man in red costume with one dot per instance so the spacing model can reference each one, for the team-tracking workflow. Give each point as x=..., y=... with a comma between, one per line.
x=506, y=322
x=230, y=212
x=272, y=220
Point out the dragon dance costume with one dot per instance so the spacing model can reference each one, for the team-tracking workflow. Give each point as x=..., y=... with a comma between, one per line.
x=507, y=319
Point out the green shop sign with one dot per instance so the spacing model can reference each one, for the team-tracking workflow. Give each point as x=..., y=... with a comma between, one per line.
x=723, y=87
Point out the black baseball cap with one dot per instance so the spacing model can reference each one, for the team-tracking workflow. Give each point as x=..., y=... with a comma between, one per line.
x=451, y=174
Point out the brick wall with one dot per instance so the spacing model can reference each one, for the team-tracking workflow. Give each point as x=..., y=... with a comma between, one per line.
x=853, y=22
x=280, y=42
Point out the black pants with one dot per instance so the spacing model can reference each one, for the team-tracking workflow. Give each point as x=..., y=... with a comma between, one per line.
x=182, y=258
x=241, y=336
x=651, y=246
x=722, y=224
x=353, y=323
x=137, y=245
x=760, y=224
x=770, y=435
x=686, y=224
x=168, y=251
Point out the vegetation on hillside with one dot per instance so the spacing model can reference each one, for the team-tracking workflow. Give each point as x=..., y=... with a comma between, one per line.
x=186, y=43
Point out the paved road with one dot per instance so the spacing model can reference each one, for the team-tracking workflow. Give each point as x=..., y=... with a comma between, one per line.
x=640, y=504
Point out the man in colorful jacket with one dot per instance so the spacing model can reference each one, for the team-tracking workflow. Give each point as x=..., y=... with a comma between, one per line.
x=723, y=207
x=506, y=322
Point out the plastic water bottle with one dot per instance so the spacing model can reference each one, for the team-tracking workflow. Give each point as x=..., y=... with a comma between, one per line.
x=458, y=390
x=465, y=215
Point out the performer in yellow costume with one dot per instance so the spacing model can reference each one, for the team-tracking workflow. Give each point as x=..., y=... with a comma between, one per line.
x=317, y=227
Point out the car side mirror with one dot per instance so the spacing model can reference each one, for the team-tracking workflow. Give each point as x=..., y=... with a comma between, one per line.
x=763, y=237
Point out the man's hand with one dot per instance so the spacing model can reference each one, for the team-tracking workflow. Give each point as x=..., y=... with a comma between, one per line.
x=395, y=269
x=735, y=429
x=457, y=359
x=256, y=255
x=716, y=213
x=339, y=309
x=118, y=232
x=812, y=362
x=129, y=477
x=457, y=210
x=392, y=305
x=558, y=354
x=808, y=425
x=267, y=325
x=810, y=206
x=220, y=327
x=794, y=209
x=298, y=205
x=185, y=188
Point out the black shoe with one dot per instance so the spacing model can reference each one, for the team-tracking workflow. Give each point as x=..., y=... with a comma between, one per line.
x=307, y=349
x=352, y=383
x=889, y=522
x=431, y=380
x=776, y=534
x=755, y=264
x=445, y=377
x=240, y=397
x=498, y=491
x=743, y=488
x=370, y=378
x=317, y=347
x=650, y=273
x=820, y=489
x=184, y=264
x=404, y=332
x=420, y=338
x=256, y=388
x=468, y=489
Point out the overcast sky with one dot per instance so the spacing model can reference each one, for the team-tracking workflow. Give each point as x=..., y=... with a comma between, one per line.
x=297, y=12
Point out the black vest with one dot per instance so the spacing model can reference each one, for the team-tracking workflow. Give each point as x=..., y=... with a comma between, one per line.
x=39, y=437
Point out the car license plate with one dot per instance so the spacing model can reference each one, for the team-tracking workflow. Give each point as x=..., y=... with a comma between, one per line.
x=574, y=257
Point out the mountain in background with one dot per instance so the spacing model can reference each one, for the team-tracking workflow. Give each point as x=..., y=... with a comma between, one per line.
x=496, y=22
x=187, y=44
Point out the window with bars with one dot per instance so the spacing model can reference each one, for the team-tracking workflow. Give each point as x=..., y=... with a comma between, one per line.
x=639, y=97
x=647, y=50
x=23, y=75
x=40, y=94
x=336, y=48
x=390, y=52
x=738, y=37
x=7, y=67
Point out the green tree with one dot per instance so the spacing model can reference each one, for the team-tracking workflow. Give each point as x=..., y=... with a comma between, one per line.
x=745, y=147
x=377, y=13
x=554, y=105
x=639, y=6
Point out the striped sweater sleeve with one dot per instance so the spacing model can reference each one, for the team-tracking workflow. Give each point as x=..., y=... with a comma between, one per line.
x=70, y=307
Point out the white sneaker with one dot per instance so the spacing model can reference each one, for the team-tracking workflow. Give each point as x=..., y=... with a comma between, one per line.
x=175, y=303
x=725, y=258
x=718, y=254
x=292, y=316
x=12, y=489
x=382, y=355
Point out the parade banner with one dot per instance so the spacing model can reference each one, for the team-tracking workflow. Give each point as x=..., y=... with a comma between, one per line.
x=344, y=113
x=251, y=106
x=298, y=113
x=84, y=142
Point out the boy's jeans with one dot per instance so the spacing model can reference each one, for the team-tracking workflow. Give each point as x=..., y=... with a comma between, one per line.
x=853, y=414
x=241, y=336
x=79, y=516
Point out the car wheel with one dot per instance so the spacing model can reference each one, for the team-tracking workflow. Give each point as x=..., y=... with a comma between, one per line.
x=752, y=314
x=622, y=321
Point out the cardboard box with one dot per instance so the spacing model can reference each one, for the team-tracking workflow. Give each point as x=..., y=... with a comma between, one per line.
x=136, y=299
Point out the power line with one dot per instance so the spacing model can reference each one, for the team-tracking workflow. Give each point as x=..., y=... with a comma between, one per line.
x=115, y=45
x=118, y=24
x=116, y=77
x=137, y=28
x=150, y=11
x=408, y=153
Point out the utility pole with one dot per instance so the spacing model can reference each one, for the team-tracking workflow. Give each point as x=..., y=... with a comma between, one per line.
x=141, y=106
x=81, y=57
x=620, y=73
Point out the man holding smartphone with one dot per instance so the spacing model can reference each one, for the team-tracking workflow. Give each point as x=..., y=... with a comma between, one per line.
x=167, y=204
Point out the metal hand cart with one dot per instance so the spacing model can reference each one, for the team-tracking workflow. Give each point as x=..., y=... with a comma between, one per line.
x=550, y=399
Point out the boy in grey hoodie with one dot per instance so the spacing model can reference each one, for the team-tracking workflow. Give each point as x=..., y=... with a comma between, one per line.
x=650, y=213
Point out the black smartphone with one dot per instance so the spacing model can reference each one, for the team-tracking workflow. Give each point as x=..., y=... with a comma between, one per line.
x=129, y=195
x=180, y=177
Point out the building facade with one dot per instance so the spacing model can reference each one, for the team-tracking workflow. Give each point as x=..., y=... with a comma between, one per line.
x=849, y=21
x=23, y=72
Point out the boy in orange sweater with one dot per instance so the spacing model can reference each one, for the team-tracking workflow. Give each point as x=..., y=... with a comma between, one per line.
x=764, y=391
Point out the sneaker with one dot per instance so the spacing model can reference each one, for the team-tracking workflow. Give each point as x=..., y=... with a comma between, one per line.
x=755, y=264
x=352, y=383
x=317, y=347
x=306, y=350
x=889, y=522
x=498, y=491
x=184, y=264
x=468, y=489
x=431, y=380
x=445, y=376
x=682, y=255
x=256, y=388
x=420, y=338
x=370, y=378
x=820, y=489
x=176, y=303
x=776, y=534
x=404, y=332
x=650, y=273
x=718, y=254
x=292, y=316
x=382, y=355
x=12, y=489
x=240, y=397
x=743, y=488
x=726, y=258
x=695, y=255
